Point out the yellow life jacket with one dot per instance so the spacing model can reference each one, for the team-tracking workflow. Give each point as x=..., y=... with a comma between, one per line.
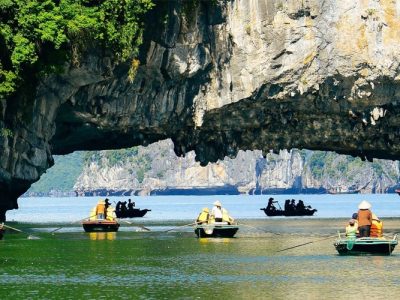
x=351, y=231
x=110, y=213
x=376, y=228
x=226, y=217
x=203, y=217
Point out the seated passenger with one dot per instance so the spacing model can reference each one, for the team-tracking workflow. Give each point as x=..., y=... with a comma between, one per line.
x=226, y=217
x=351, y=229
x=100, y=210
x=216, y=212
x=376, y=227
x=203, y=216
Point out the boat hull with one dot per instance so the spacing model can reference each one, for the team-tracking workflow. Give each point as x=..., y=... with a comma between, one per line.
x=216, y=231
x=365, y=246
x=135, y=213
x=276, y=213
x=100, y=226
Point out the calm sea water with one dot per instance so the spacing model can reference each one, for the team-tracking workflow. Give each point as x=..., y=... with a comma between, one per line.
x=137, y=264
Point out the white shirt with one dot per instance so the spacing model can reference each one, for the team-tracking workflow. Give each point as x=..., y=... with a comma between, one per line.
x=216, y=212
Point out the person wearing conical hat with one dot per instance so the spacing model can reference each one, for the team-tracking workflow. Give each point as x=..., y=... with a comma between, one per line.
x=376, y=227
x=216, y=212
x=364, y=218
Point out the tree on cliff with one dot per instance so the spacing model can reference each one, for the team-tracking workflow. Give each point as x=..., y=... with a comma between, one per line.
x=38, y=36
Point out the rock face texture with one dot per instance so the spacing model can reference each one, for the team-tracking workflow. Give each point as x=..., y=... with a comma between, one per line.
x=217, y=77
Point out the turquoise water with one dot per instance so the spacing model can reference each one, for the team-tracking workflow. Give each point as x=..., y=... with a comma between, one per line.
x=137, y=264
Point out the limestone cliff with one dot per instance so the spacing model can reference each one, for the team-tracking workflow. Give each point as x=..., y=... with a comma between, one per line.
x=156, y=170
x=218, y=77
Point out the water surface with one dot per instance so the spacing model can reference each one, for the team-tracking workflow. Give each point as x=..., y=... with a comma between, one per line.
x=137, y=264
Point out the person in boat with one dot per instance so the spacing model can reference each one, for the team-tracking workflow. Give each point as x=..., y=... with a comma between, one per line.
x=216, y=212
x=351, y=229
x=100, y=210
x=287, y=205
x=110, y=213
x=364, y=218
x=226, y=217
x=124, y=209
x=203, y=216
x=300, y=206
x=293, y=205
x=270, y=206
x=106, y=206
x=376, y=227
x=130, y=205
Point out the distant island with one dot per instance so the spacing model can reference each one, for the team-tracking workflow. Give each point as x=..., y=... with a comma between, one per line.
x=156, y=170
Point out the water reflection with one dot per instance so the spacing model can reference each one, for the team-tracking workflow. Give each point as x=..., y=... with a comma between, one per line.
x=99, y=236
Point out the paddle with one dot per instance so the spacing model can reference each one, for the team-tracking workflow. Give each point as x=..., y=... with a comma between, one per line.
x=58, y=228
x=30, y=236
x=191, y=224
x=329, y=237
x=140, y=226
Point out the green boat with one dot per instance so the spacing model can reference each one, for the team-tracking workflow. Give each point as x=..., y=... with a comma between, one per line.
x=220, y=230
x=365, y=245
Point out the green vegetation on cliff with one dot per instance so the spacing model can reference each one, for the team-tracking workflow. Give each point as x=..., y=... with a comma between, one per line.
x=39, y=36
x=62, y=176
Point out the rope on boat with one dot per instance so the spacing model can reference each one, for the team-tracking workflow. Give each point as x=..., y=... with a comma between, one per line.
x=191, y=224
x=137, y=225
x=30, y=236
x=58, y=228
x=241, y=224
x=329, y=237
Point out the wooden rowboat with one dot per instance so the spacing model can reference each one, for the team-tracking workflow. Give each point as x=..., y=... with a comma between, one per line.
x=217, y=229
x=365, y=246
x=100, y=226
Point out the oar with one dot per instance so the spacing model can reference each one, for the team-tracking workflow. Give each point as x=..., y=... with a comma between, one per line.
x=329, y=237
x=30, y=236
x=52, y=232
x=191, y=224
x=140, y=226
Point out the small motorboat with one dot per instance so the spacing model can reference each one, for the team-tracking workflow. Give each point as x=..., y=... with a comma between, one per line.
x=278, y=212
x=365, y=245
x=100, y=225
x=216, y=229
x=131, y=213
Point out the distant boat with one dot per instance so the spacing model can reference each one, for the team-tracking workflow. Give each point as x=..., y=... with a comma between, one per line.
x=365, y=246
x=131, y=213
x=100, y=225
x=217, y=229
x=290, y=211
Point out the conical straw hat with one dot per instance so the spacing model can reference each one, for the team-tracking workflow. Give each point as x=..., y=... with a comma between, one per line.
x=217, y=203
x=364, y=205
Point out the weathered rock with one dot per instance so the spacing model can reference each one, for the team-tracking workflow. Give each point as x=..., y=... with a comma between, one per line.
x=216, y=78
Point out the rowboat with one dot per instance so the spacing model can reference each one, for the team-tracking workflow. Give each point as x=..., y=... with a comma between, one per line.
x=365, y=245
x=100, y=225
x=131, y=213
x=217, y=229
